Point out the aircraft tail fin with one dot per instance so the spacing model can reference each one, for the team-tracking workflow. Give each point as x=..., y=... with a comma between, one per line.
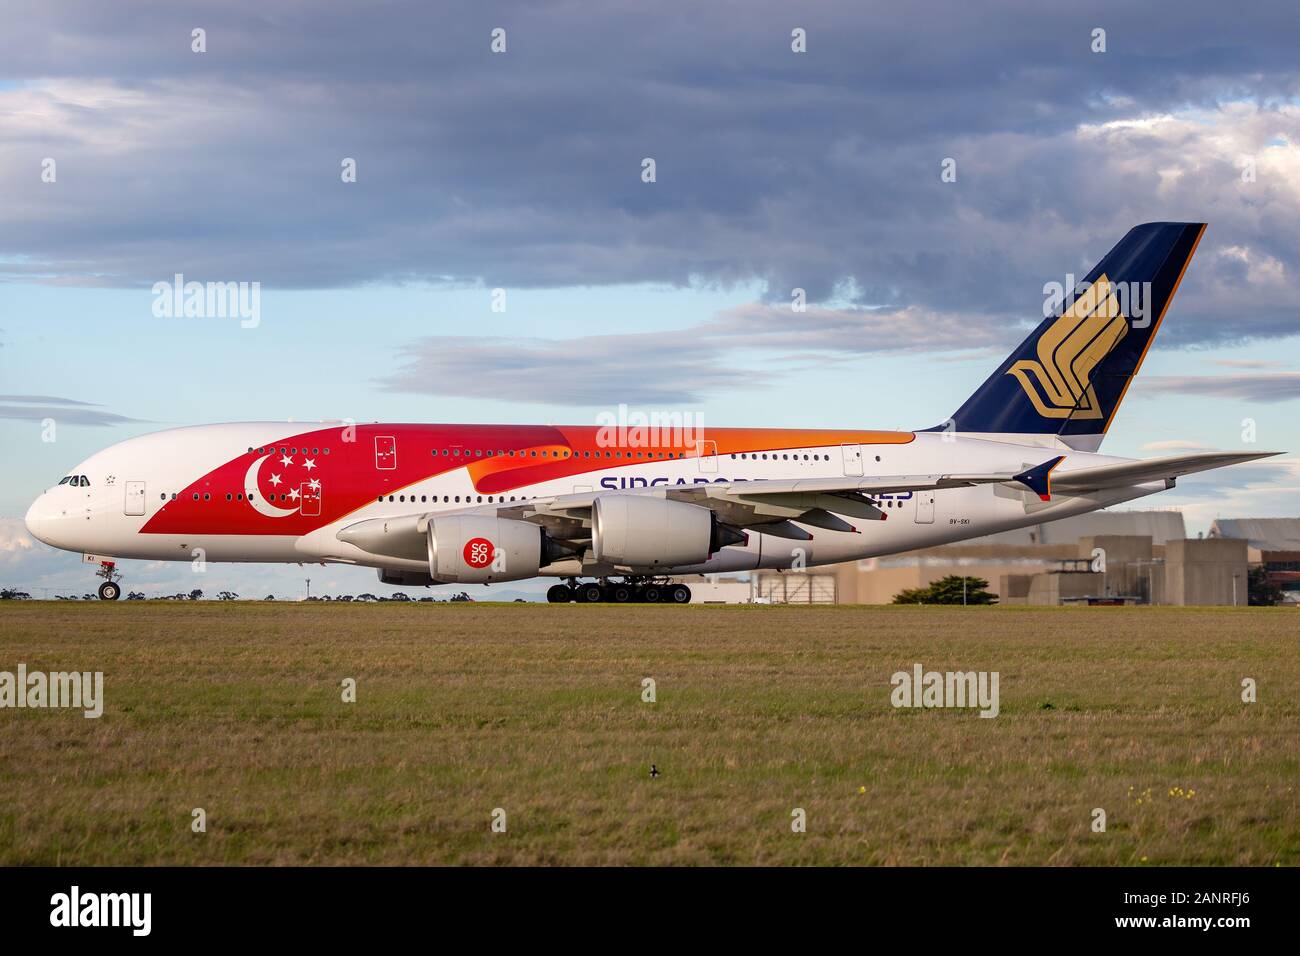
x=1068, y=377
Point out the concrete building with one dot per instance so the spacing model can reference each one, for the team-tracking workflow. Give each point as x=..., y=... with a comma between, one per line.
x=1273, y=543
x=1108, y=557
x=1011, y=560
x=1206, y=571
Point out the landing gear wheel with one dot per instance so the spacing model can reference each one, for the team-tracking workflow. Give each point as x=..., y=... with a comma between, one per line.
x=620, y=593
x=590, y=594
x=679, y=594
x=559, y=594
x=652, y=594
x=108, y=591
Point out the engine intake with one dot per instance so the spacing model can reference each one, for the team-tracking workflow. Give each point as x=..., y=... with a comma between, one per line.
x=645, y=533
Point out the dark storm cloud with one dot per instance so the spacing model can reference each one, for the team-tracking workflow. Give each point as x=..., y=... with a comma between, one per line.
x=818, y=170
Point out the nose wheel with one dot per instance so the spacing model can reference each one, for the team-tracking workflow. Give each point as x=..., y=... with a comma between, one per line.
x=110, y=590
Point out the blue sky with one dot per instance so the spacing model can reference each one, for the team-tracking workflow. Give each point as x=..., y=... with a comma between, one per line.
x=522, y=171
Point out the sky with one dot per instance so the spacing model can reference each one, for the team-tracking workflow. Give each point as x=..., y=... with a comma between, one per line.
x=500, y=256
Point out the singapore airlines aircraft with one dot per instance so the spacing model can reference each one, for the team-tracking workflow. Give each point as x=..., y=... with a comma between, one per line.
x=625, y=508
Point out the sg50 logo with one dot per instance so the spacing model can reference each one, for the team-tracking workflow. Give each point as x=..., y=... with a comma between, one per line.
x=478, y=552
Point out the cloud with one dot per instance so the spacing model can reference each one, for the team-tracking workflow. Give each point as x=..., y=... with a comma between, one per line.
x=817, y=170
x=63, y=411
x=1267, y=387
x=1248, y=363
x=15, y=542
x=678, y=367
x=646, y=368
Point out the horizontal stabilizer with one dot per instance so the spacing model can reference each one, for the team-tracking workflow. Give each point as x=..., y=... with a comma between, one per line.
x=1154, y=469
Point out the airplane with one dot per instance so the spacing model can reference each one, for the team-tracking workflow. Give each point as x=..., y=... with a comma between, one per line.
x=617, y=514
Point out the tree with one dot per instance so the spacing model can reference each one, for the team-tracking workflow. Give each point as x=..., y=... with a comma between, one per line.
x=196, y=594
x=226, y=596
x=11, y=594
x=948, y=590
x=1262, y=591
x=135, y=596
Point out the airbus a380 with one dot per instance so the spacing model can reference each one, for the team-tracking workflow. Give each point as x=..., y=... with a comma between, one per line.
x=462, y=504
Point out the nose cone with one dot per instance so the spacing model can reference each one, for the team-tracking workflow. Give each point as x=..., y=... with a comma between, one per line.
x=36, y=517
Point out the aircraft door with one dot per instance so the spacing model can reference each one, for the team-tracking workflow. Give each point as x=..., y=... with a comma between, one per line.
x=309, y=500
x=852, y=459
x=925, y=507
x=134, y=504
x=385, y=452
x=706, y=452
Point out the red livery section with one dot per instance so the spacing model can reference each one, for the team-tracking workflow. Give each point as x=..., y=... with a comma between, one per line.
x=314, y=478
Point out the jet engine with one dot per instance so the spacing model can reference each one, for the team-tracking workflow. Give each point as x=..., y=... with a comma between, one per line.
x=645, y=533
x=479, y=549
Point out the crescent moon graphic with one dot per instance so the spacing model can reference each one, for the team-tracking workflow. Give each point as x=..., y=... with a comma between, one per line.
x=255, y=497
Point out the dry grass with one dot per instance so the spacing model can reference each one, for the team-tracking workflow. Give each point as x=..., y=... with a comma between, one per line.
x=236, y=708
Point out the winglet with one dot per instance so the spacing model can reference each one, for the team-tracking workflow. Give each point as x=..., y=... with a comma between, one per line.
x=1039, y=478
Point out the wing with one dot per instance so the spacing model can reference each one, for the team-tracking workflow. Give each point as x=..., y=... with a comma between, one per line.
x=780, y=506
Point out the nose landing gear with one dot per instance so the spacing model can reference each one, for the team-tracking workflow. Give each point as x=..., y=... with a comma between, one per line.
x=110, y=590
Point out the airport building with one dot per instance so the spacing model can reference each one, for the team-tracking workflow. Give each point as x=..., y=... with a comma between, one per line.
x=1272, y=543
x=1107, y=557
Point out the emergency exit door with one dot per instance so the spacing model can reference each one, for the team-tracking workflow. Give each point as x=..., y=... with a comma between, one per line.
x=385, y=452
x=852, y=459
x=925, y=507
x=706, y=454
x=134, y=498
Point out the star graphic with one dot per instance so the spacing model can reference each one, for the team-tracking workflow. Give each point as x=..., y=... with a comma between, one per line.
x=275, y=479
x=286, y=461
x=314, y=485
x=309, y=464
x=293, y=494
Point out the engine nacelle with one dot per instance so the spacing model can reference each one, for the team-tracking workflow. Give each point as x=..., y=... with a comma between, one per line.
x=646, y=533
x=406, y=579
x=479, y=549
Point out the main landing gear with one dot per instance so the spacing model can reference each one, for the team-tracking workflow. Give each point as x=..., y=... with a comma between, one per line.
x=632, y=590
x=110, y=590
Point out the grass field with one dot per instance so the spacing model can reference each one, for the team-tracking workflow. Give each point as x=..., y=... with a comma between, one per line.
x=236, y=708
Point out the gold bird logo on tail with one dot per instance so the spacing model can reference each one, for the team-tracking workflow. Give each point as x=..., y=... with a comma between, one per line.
x=1069, y=351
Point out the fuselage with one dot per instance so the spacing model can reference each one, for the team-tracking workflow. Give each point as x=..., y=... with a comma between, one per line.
x=279, y=492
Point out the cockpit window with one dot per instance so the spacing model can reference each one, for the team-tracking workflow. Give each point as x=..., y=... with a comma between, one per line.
x=85, y=482
x=66, y=480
